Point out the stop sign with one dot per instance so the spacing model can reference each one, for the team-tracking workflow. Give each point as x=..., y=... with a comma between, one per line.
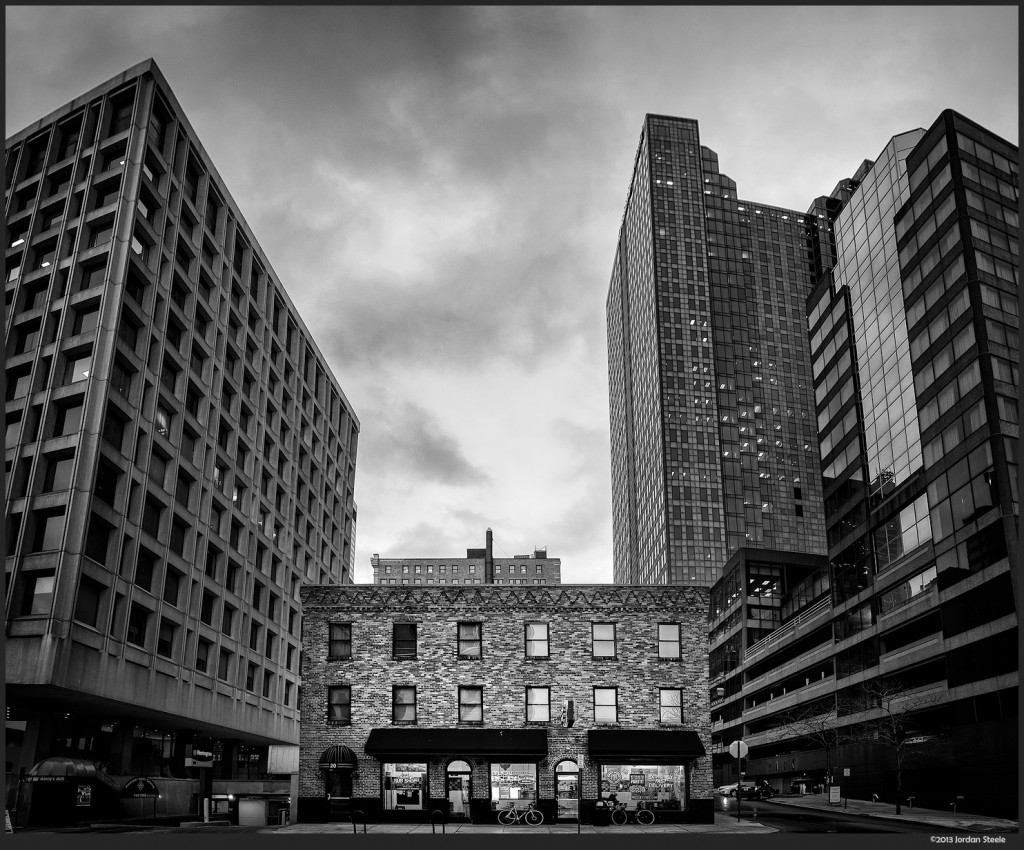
x=737, y=749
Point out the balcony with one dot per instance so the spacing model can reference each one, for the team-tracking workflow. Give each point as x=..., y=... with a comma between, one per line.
x=800, y=624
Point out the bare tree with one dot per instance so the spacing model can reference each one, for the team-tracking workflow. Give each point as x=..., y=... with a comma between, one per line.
x=817, y=722
x=895, y=726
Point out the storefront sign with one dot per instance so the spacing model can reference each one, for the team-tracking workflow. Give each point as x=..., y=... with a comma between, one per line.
x=198, y=757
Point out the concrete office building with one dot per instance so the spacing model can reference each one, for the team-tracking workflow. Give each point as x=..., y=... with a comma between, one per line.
x=478, y=567
x=467, y=699
x=714, y=444
x=179, y=458
x=914, y=334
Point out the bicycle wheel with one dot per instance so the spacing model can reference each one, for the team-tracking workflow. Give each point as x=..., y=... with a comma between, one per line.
x=507, y=817
x=645, y=816
x=534, y=818
x=619, y=817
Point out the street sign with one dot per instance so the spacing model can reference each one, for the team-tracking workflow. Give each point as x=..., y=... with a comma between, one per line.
x=738, y=749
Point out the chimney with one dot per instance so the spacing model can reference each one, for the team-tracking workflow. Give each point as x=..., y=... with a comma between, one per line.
x=489, y=559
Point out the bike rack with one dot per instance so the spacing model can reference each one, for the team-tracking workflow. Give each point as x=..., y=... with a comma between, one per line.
x=362, y=815
x=434, y=821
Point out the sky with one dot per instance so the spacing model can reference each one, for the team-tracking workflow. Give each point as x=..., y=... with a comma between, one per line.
x=439, y=190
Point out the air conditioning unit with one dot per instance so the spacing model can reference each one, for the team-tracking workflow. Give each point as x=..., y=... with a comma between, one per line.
x=568, y=712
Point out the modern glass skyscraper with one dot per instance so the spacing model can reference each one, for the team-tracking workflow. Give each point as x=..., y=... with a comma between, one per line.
x=915, y=345
x=714, y=441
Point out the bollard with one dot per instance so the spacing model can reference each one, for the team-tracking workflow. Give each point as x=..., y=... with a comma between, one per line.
x=437, y=816
x=910, y=802
x=362, y=815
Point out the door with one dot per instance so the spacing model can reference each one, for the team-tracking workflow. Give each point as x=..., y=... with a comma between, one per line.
x=458, y=778
x=339, y=792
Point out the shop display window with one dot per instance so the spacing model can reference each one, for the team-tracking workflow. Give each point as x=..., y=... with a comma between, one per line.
x=405, y=786
x=661, y=786
x=514, y=784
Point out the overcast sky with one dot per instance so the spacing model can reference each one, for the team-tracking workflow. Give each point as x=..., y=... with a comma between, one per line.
x=439, y=190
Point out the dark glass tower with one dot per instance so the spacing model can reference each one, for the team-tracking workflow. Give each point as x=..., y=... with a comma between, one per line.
x=713, y=436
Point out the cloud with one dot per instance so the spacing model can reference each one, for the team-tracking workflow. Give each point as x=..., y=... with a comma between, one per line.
x=408, y=446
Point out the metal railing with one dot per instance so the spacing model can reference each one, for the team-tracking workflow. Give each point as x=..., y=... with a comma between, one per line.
x=793, y=626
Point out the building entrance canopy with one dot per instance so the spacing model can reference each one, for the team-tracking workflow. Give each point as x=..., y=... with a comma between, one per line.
x=488, y=743
x=338, y=757
x=654, y=746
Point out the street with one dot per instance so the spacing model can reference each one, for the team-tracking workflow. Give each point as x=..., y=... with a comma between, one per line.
x=790, y=819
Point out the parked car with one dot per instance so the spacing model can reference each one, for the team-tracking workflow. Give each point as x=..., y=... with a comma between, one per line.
x=747, y=789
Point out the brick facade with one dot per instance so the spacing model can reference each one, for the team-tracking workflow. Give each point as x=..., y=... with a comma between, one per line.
x=570, y=671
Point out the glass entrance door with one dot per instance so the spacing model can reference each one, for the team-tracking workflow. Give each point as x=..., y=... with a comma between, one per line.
x=567, y=790
x=458, y=789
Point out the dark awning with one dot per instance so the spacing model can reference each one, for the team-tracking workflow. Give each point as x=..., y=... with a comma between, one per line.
x=529, y=744
x=66, y=769
x=338, y=757
x=658, y=746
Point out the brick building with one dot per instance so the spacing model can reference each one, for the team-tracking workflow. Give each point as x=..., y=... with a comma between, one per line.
x=463, y=699
x=478, y=567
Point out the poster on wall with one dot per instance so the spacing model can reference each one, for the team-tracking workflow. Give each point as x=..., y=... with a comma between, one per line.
x=84, y=795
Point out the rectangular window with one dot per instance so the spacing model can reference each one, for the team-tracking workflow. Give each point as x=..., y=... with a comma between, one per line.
x=538, y=705
x=138, y=619
x=165, y=640
x=537, y=645
x=38, y=594
x=404, y=641
x=671, y=705
x=403, y=704
x=603, y=640
x=669, y=640
x=87, y=605
x=470, y=640
x=203, y=655
x=471, y=704
x=340, y=641
x=605, y=706
x=224, y=665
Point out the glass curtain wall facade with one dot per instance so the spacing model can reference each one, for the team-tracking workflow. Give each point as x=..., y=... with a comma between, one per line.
x=713, y=442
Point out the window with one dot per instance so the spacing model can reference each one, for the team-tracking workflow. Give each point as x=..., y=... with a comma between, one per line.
x=471, y=704
x=470, y=640
x=538, y=705
x=38, y=594
x=250, y=677
x=68, y=420
x=138, y=620
x=603, y=640
x=172, y=585
x=340, y=641
x=58, y=474
x=228, y=619
x=162, y=422
x=87, y=605
x=144, y=568
x=203, y=655
x=668, y=640
x=671, y=705
x=537, y=640
x=49, y=532
x=206, y=608
x=165, y=639
x=403, y=704
x=605, y=705
x=404, y=641
x=224, y=665
x=78, y=369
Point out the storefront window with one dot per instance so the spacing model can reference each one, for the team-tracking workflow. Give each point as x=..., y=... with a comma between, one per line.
x=511, y=783
x=405, y=786
x=661, y=786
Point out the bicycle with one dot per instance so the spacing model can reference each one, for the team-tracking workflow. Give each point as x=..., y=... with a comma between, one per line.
x=642, y=815
x=513, y=815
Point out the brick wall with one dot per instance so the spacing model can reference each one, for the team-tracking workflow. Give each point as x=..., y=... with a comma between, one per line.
x=504, y=673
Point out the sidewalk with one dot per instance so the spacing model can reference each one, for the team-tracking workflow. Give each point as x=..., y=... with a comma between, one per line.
x=724, y=824
x=868, y=808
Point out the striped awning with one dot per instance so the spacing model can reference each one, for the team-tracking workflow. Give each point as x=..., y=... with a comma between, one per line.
x=338, y=757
